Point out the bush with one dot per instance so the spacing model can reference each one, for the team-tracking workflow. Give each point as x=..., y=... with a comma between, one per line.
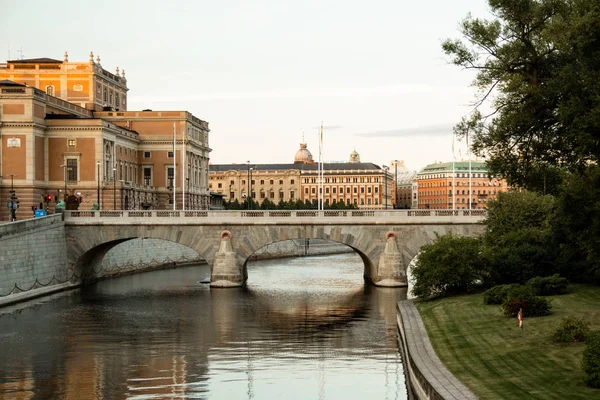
x=590, y=363
x=548, y=286
x=522, y=297
x=496, y=295
x=450, y=265
x=571, y=329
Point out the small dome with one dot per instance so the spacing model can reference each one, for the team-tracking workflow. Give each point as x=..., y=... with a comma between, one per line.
x=354, y=157
x=303, y=155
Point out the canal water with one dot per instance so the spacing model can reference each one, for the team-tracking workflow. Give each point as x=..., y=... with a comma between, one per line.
x=302, y=328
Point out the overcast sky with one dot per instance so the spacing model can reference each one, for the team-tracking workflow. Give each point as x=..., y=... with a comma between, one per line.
x=264, y=72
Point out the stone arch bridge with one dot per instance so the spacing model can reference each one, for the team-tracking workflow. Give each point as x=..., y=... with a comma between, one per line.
x=385, y=240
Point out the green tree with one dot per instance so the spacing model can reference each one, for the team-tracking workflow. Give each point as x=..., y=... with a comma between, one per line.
x=517, y=237
x=537, y=67
x=450, y=265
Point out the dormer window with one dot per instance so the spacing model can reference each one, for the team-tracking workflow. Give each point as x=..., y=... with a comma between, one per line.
x=50, y=90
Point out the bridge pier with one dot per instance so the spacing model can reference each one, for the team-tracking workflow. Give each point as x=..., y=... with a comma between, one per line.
x=391, y=271
x=226, y=271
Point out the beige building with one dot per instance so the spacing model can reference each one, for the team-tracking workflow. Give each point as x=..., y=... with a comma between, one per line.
x=54, y=149
x=365, y=185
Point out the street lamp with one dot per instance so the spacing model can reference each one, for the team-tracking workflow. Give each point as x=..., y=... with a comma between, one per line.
x=385, y=170
x=248, y=185
x=65, y=170
x=114, y=188
x=250, y=193
x=98, y=164
x=396, y=184
x=13, y=198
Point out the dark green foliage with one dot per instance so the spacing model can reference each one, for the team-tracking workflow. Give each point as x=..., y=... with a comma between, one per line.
x=450, y=265
x=522, y=297
x=576, y=226
x=590, y=362
x=517, y=237
x=549, y=285
x=496, y=294
x=537, y=64
x=571, y=329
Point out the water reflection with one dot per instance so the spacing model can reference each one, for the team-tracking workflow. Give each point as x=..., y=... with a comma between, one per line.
x=304, y=328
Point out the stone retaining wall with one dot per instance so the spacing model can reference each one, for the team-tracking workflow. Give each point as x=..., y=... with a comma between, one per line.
x=426, y=376
x=33, y=258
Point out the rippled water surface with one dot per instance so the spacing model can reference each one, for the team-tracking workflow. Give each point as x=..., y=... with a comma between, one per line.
x=302, y=328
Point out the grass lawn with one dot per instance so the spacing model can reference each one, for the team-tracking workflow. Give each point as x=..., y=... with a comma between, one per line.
x=487, y=352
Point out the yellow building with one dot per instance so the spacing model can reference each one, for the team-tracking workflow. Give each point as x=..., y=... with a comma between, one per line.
x=120, y=159
x=364, y=185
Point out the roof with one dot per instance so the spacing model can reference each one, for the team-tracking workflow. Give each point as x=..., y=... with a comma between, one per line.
x=478, y=166
x=300, y=167
x=43, y=60
x=7, y=82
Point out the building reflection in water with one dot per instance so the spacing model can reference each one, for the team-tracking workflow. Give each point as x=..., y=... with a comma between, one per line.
x=301, y=328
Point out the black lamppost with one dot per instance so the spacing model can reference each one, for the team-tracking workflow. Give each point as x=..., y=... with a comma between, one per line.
x=65, y=193
x=248, y=185
x=250, y=194
x=189, y=195
x=114, y=188
x=385, y=170
x=13, y=198
x=396, y=185
x=98, y=164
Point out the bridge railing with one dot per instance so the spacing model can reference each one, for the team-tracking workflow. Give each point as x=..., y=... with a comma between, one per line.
x=479, y=214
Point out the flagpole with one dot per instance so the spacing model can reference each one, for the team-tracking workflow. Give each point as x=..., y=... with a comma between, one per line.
x=183, y=155
x=174, y=166
x=320, y=170
x=453, y=174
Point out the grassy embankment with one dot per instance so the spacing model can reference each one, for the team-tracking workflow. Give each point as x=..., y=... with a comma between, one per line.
x=489, y=354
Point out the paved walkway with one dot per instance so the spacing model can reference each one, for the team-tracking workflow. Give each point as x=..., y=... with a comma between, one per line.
x=424, y=359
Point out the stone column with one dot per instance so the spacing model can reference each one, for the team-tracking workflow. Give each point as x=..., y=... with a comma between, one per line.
x=226, y=272
x=391, y=271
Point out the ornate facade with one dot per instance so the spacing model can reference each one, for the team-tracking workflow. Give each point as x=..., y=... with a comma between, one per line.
x=365, y=185
x=458, y=185
x=56, y=143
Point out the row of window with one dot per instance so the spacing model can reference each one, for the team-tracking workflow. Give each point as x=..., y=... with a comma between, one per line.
x=348, y=190
x=449, y=175
x=464, y=183
x=346, y=180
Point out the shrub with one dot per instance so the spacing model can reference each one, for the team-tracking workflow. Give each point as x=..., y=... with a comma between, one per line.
x=590, y=363
x=571, y=329
x=548, y=286
x=450, y=265
x=522, y=297
x=496, y=295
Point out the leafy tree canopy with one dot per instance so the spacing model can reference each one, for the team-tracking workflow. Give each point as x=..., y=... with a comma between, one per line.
x=537, y=63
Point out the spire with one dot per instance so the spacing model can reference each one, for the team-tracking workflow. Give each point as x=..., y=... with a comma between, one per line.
x=91, y=57
x=66, y=57
x=117, y=71
x=97, y=59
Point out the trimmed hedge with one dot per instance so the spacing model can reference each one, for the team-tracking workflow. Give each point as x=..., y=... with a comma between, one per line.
x=549, y=285
x=571, y=329
x=523, y=297
x=590, y=363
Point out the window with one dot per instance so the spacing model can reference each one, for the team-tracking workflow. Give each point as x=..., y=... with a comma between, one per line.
x=292, y=182
x=262, y=195
x=148, y=176
x=105, y=95
x=281, y=195
x=376, y=190
x=231, y=195
x=334, y=189
x=281, y=181
x=72, y=170
x=271, y=195
x=369, y=190
x=243, y=181
x=71, y=142
x=313, y=191
x=117, y=100
x=146, y=154
x=50, y=90
x=231, y=182
x=306, y=190
x=362, y=190
x=220, y=186
x=355, y=190
x=170, y=154
x=170, y=177
x=292, y=194
x=327, y=190
x=262, y=181
x=271, y=182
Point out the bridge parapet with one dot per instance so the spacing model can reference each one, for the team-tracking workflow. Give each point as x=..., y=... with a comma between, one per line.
x=268, y=217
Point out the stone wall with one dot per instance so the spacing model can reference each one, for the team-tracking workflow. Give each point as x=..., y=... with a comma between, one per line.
x=33, y=258
x=426, y=377
x=149, y=252
x=299, y=248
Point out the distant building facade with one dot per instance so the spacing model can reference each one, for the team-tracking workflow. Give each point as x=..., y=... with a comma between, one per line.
x=58, y=144
x=365, y=185
x=459, y=185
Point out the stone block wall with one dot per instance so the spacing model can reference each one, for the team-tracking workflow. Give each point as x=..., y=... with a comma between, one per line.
x=149, y=252
x=33, y=255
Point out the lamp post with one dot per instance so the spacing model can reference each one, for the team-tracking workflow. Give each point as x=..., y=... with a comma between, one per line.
x=114, y=188
x=65, y=170
x=248, y=185
x=250, y=194
x=98, y=164
x=189, y=196
x=385, y=170
x=396, y=184
x=13, y=198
